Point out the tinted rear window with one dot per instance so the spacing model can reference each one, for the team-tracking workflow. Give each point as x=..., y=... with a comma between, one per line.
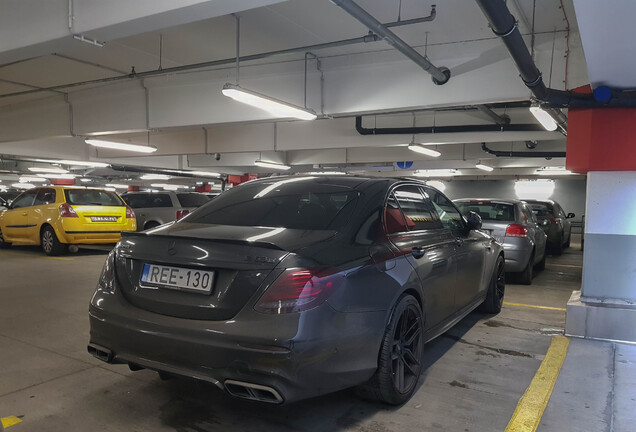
x=489, y=210
x=286, y=204
x=192, y=199
x=148, y=200
x=92, y=197
x=541, y=210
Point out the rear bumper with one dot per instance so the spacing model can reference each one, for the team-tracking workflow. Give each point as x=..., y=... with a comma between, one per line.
x=517, y=251
x=91, y=237
x=297, y=355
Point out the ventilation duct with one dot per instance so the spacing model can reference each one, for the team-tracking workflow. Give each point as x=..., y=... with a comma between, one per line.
x=522, y=154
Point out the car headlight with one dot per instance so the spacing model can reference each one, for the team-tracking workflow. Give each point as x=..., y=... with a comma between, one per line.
x=107, y=277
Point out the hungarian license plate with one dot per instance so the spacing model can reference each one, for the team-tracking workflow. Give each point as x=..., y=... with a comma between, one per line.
x=178, y=278
x=103, y=218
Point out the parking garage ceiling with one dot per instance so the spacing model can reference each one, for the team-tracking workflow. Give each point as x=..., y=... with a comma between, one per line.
x=46, y=111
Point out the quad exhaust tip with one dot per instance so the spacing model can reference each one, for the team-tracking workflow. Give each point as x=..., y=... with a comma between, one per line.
x=104, y=354
x=253, y=392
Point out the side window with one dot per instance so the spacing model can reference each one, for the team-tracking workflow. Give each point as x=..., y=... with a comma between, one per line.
x=416, y=210
x=136, y=200
x=393, y=217
x=448, y=213
x=160, y=200
x=45, y=196
x=25, y=200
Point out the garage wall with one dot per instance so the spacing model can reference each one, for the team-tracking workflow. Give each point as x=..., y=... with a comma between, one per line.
x=569, y=193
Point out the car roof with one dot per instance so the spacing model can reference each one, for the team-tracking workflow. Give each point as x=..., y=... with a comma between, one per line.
x=352, y=181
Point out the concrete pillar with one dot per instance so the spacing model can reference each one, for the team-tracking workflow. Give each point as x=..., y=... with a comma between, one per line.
x=600, y=143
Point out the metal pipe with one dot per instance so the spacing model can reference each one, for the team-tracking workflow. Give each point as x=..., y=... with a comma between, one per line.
x=440, y=75
x=504, y=25
x=500, y=120
x=530, y=154
x=431, y=17
x=445, y=129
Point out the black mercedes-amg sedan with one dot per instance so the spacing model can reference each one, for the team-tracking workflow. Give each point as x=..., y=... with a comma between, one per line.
x=290, y=287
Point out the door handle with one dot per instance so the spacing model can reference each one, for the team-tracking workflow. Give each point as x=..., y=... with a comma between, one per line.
x=24, y=214
x=417, y=252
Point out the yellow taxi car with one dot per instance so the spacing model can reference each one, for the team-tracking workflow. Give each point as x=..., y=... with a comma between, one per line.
x=57, y=216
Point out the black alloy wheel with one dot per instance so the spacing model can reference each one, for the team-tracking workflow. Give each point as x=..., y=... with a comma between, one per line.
x=496, y=289
x=399, y=362
x=406, y=351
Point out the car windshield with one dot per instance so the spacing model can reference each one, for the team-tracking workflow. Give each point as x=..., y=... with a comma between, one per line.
x=283, y=204
x=92, y=197
x=192, y=199
x=541, y=211
x=489, y=210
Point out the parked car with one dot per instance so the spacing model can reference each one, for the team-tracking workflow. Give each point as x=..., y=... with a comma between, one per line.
x=554, y=222
x=56, y=217
x=157, y=208
x=511, y=223
x=290, y=287
x=6, y=197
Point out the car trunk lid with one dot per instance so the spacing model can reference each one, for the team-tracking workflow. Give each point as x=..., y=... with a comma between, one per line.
x=240, y=259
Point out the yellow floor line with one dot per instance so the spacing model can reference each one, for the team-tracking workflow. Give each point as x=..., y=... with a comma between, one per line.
x=535, y=306
x=530, y=408
x=10, y=421
x=34, y=256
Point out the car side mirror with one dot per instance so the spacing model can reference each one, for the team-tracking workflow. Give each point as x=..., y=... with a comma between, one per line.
x=474, y=220
x=570, y=216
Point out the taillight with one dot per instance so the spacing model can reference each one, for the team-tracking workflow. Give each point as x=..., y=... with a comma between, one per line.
x=516, y=230
x=298, y=290
x=182, y=213
x=66, y=211
x=106, y=281
x=130, y=214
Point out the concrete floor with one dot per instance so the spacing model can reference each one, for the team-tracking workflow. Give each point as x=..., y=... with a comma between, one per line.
x=474, y=374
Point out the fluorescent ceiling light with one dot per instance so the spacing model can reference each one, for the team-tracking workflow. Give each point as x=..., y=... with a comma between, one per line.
x=121, y=146
x=110, y=189
x=419, y=148
x=117, y=185
x=85, y=180
x=547, y=171
x=437, y=184
x=201, y=173
x=274, y=165
x=266, y=103
x=167, y=186
x=72, y=162
x=484, y=167
x=22, y=185
x=436, y=173
x=543, y=117
x=57, y=176
x=26, y=179
x=155, y=177
x=48, y=170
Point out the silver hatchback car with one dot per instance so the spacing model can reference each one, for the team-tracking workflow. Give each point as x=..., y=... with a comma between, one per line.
x=157, y=208
x=511, y=223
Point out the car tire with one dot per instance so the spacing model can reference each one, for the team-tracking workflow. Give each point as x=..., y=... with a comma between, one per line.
x=496, y=288
x=525, y=277
x=541, y=264
x=50, y=243
x=400, y=359
x=3, y=244
x=567, y=243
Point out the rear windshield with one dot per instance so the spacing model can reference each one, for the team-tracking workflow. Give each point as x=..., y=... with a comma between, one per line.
x=541, y=211
x=92, y=197
x=192, y=199
x=148, y=200
x=277, y=204
x=489, y=210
